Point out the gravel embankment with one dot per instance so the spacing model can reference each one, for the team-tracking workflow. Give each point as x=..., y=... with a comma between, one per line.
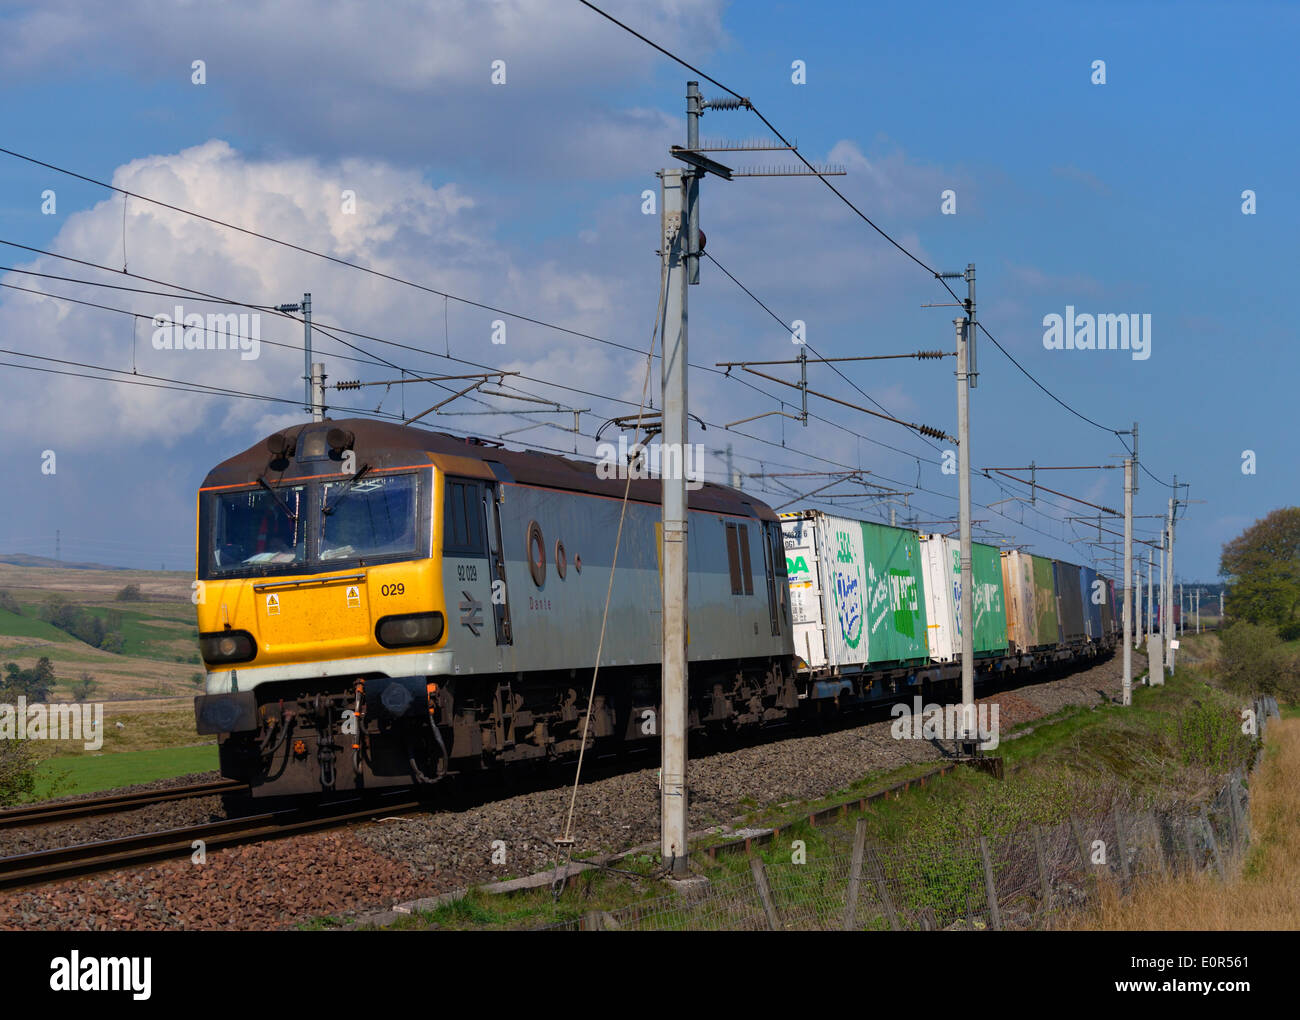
x=370, y=867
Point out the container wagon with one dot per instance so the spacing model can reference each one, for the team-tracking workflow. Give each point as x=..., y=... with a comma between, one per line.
x=942, y=559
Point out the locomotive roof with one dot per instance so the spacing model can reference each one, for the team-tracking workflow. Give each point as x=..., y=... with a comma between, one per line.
x=390, y=445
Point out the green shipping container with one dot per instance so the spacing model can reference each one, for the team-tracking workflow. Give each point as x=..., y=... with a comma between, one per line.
x=988, y=609
x=1045, y=602
x=895, y=594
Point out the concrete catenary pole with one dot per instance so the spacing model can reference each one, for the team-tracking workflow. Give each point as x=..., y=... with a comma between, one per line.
x=1157, y=664
x=1128, y=581
x=969, y=735
x=1170, y=629
x=317, y=391
x=676, y=185
x=306, y=352
x=1150, y=578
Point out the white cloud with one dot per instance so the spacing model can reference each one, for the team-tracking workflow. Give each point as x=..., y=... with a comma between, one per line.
x=403, y=79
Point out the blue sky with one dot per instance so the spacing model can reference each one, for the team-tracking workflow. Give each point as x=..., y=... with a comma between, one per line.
x=1115, y=198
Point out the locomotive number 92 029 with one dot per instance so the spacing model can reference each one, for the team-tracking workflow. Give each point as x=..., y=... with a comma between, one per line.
x=393, y=589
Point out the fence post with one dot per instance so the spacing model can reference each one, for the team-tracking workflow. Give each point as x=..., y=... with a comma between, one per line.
x=1234, y=812
x=1214, y=843
x=1192, y=855
x=882, y=887
x=855, y=875
x=995, y=916
x=1163, y=828
x=1043, y=880
x=1121, y=844
x=1088, y=872
x=765, y=893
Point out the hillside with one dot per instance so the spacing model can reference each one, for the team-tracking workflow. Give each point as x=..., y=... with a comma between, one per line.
x=159, y=656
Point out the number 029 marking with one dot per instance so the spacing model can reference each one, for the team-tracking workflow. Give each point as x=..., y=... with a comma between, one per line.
x=393, y=589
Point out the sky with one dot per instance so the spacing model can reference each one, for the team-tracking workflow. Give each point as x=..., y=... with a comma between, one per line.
x=1113, y=188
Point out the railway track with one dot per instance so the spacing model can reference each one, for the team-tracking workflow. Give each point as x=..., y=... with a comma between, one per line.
x=44, y=866
x=44, y=814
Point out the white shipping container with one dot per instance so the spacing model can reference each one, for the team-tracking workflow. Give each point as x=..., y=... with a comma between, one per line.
x=943, y=592
x=803, y=568
x=854, y=591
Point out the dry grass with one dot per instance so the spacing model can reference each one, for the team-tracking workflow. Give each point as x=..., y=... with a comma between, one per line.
x=1261, y=894
x=146, y=726
x=101, y=585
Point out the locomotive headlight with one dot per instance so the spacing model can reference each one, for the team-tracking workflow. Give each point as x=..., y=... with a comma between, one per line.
x=409, y=629
x=227, y=646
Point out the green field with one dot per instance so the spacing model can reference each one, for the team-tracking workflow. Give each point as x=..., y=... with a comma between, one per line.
x=13, y=625
x=159, y=654
x=59, y=777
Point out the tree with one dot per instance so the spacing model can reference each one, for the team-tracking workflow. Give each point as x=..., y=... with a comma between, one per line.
x=84, y=687
x=34, y=684
x=1262, y=565
x=131, y=593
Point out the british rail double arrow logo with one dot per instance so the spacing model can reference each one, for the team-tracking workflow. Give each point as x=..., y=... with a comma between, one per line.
x=471, y=613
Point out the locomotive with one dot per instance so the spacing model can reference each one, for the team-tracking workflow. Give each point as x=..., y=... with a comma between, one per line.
x=381, y=605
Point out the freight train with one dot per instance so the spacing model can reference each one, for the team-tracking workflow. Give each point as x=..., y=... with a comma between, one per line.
x=381, y=605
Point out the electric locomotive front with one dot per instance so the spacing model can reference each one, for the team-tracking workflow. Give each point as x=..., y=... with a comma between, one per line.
x=321, y=611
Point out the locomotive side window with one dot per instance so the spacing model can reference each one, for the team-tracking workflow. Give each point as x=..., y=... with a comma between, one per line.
x=742, y=578
x=462, y=529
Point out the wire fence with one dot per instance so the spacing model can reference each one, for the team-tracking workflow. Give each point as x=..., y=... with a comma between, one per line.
x=1020, y=880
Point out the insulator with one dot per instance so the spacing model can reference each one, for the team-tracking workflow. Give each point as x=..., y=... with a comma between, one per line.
x=925, y=430
x=727, y=103
x=350, y=384
x=929, y=354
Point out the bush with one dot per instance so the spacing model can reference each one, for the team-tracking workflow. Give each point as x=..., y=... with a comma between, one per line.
x=84, y=687
x=1252, y=661
x=113, y=643
x=82, y=624
x=1289, y=631
x=10, y=604
x=1209, y=736
x=17, y=772
x=131, y=593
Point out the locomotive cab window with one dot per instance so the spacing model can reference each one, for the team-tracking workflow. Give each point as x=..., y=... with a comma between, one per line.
x=368, y=517
x=462, y=526
x=258, y=527
x=742, y=578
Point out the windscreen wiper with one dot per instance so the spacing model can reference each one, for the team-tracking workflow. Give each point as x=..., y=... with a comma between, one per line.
x=276, y=496
x=327, y=510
